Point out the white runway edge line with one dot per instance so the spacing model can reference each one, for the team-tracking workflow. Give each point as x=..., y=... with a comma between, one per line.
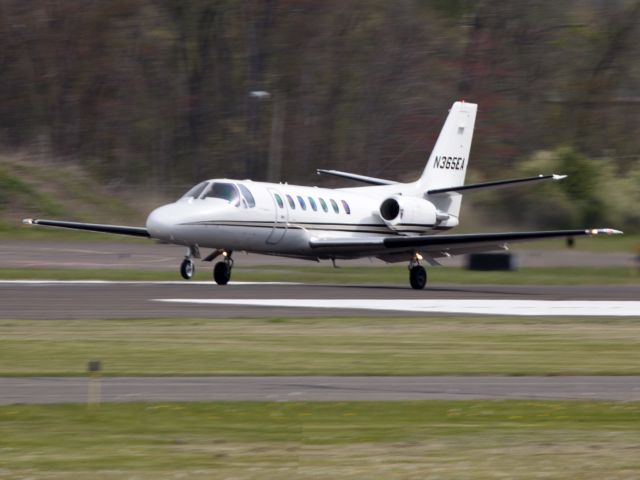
x=484, y=307
x=131, y=282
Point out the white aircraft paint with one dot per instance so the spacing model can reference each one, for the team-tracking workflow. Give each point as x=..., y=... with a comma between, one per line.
x=483, y=307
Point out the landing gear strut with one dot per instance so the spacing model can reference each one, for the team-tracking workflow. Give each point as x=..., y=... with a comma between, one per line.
x=222, y=270
x=417, y=273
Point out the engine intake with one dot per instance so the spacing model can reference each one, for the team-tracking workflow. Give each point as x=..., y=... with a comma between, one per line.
x=408, y=214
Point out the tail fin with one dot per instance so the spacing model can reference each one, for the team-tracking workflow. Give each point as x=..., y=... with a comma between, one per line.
x=448, y=162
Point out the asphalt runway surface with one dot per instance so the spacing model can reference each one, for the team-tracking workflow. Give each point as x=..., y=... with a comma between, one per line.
x=112, y=300
x=164, y=389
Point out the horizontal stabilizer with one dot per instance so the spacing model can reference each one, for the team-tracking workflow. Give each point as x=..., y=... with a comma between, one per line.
x=92, y=227
x=353, y=176
x=498, y=183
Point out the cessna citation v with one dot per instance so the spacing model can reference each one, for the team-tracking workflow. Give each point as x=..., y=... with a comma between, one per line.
x=392, y=221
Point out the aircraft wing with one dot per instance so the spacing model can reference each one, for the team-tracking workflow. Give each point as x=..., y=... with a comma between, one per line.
x=442, y=245
x=92, y=227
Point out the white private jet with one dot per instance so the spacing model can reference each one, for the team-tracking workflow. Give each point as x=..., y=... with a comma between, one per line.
x=392, y=221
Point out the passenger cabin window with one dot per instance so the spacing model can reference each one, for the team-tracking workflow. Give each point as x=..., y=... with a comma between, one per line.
x=301, y=202
x=196, y=191
x=312, y=202
x=335, y=206
x=224, y=191
x=346, y=207
x=323, y=204
x=247, y=196
x=292, y=204
x=279, y=200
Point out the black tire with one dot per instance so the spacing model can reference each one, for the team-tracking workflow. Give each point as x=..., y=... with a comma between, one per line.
x=222, y=273
x=418, y=277
x=187, y=269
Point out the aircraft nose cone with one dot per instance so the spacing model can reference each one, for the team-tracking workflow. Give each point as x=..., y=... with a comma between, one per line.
x=159, y=222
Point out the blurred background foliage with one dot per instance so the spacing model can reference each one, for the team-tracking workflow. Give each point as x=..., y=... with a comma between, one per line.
x=154, y=95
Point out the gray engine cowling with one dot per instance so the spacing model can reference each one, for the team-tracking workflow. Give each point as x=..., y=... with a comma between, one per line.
x=408, y=214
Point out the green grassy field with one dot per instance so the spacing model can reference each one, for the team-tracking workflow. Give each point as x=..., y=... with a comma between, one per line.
x=395, y=440
x=389, y=274
x=332, y=346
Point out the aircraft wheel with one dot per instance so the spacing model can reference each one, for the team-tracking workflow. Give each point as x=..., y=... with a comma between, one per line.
x=222, y=273
x=187, y=269
x=417, y=277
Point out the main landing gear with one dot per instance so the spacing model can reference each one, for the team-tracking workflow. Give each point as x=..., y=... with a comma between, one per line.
x=417, y=273
x=221, y=272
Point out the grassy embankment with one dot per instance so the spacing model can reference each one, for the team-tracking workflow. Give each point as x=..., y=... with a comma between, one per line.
x=319, y=346
x=30, y=188
x=395, y=440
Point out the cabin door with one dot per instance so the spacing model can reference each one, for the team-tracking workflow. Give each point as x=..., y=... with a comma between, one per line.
x=281, y=220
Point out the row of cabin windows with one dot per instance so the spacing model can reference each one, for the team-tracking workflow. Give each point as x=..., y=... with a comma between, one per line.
x=312, y=203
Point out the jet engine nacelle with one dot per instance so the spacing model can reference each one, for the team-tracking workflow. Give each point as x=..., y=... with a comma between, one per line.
x=408, y=213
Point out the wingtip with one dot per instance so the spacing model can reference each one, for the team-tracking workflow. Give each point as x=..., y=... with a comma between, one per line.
x=28, y=221
x=604, y=231
x=559, y=177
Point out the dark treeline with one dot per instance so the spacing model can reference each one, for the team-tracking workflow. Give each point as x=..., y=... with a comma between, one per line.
x=153, y=91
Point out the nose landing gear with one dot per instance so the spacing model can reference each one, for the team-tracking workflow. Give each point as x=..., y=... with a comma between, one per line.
x=417, y=273
x=221, y=272
x=187, y=268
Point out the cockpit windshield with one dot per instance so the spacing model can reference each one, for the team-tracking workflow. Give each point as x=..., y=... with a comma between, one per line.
x=196, y=191
x=225, y=191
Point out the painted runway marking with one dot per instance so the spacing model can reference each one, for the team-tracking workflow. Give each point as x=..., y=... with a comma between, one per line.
x=131, y=282
x=586, y=308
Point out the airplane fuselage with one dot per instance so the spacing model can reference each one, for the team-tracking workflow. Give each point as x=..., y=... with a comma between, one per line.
x=279, y=218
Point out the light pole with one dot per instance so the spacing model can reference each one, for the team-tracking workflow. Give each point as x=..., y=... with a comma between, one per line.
x=274, y=159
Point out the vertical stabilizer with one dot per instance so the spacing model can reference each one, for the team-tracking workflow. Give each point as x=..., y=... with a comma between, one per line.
x=448, y=162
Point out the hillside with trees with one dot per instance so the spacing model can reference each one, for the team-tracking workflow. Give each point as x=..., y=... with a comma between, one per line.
x=158, y=94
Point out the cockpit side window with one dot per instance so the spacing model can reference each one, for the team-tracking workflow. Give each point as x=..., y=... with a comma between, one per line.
x=196, y=191
x=247, y=196
x=225, y=191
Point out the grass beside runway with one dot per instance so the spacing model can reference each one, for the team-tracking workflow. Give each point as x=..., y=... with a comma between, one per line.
x=427, y=345
x=395, y=440
x=324, y=273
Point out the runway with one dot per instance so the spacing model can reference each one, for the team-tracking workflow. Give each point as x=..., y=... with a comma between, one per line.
x=165, y=389
x=42, y=300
